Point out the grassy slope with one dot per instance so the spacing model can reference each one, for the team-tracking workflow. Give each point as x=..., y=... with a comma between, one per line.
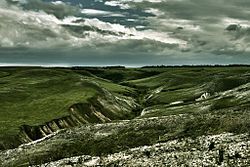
x=226, y=110
x=35, y=96
x=176, y=77
x=118, y=75
x=187, y=84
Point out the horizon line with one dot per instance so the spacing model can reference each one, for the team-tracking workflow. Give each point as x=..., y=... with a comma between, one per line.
x=116, y=66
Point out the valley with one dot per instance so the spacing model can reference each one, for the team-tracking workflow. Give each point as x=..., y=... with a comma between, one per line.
x=116, y=116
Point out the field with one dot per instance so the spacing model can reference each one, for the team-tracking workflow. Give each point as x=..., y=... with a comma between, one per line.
x=98, y=111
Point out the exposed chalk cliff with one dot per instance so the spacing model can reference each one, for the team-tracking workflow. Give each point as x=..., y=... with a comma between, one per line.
x=101, y=109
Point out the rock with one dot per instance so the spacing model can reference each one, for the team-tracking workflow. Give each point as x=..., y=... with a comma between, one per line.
x=188, y=151
x=203, y=96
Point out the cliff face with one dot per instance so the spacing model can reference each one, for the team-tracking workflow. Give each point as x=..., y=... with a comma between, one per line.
x=101, y=109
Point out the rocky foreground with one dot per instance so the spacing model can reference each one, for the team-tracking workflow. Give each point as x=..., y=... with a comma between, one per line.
x=216, y=150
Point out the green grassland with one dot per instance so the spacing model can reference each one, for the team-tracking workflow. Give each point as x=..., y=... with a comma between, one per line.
x=35, y=96
x=187, y=84
x=170, y=105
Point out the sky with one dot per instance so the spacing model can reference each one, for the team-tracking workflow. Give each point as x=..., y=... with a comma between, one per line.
x=124, y=32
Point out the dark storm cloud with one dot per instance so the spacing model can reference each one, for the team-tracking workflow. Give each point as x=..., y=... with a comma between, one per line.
x=114, y=55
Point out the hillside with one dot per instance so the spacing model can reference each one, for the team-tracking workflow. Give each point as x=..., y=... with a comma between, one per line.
x=125, y=116
x=37, y=102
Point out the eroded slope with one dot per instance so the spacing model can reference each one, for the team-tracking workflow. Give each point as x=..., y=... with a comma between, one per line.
x=37, y=102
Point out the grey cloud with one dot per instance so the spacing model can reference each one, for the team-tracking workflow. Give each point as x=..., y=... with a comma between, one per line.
x=208, y=17
x=58, y=10
x=200, y=9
